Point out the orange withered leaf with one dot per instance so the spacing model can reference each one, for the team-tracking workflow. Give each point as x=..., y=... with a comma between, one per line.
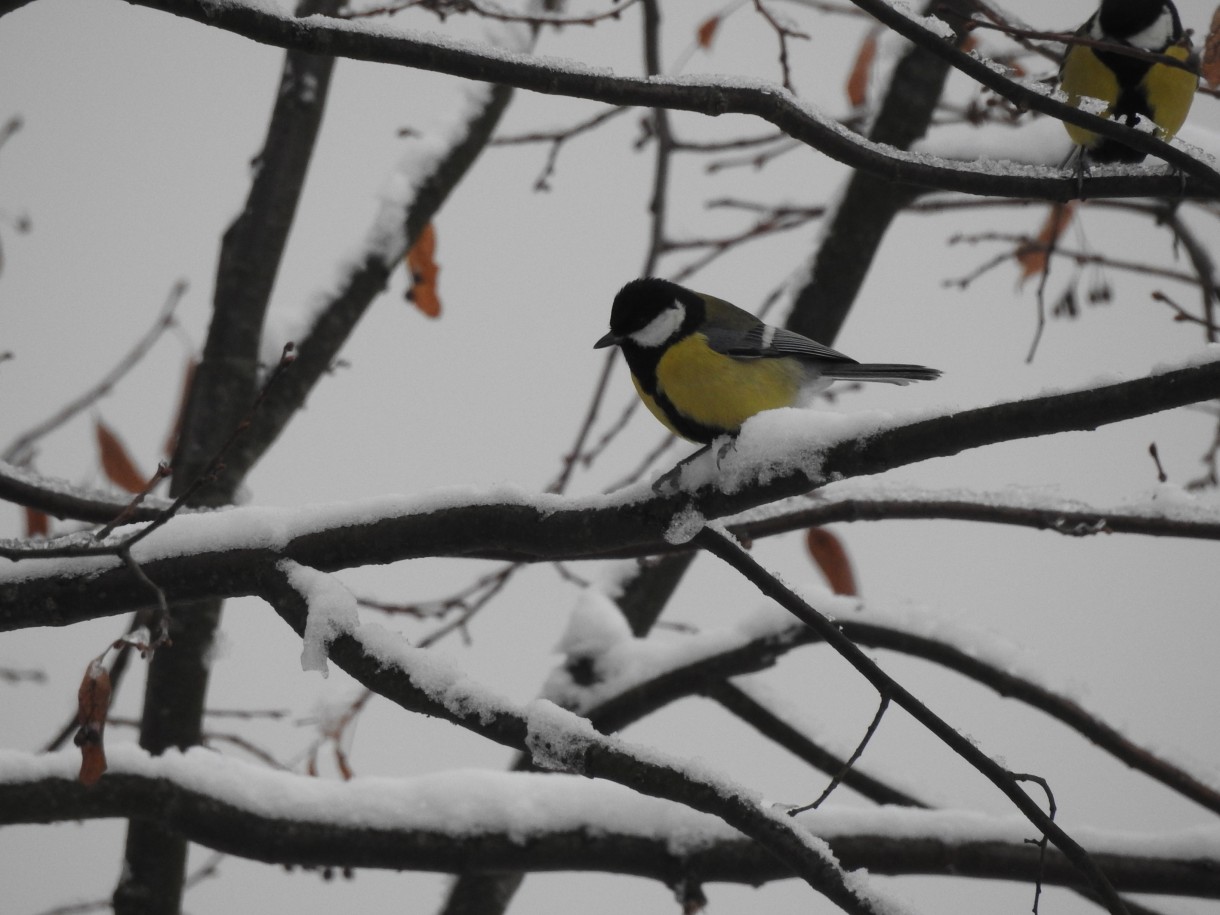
x=857, y=80
x=421, y=263
x=345, y=769
x=37, y=524
x=1210, y=69
x=707, y=31
x=1033, y=257
x=120, y=469
x=828, y=552
x=92, y=704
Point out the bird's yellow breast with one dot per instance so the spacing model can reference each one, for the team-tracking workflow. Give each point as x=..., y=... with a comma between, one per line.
x=1084, y=75
x=718, y=391
x=1170, y=91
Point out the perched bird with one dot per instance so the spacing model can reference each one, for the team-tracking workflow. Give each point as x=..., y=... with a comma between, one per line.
x=1130, y=87
x=703, y=366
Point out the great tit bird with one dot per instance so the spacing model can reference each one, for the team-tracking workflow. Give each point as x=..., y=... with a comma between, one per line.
x=1131, y=88
x=703, y=366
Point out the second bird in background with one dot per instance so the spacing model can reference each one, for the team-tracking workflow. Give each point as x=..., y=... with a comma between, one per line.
x=703, y=366
x=1131, y=88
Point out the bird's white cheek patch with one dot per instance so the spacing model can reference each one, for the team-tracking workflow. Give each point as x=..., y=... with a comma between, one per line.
x=1156, y=36
x=660, y=328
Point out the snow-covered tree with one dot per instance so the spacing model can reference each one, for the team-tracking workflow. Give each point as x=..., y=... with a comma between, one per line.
x=543, y=662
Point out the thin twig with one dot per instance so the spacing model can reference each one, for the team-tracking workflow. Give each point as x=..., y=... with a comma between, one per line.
x=724, y=548
x=1051, y=810
x=847, y=766
x=443, y=8
x=163, y=471
x=209, y=473
x=21, y=449
x=560, y=483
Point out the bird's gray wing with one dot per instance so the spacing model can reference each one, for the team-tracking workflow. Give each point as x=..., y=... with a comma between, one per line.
x=764, y=341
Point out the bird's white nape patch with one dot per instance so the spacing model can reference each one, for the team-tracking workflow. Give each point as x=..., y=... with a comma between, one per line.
x=660, y=328
x=1157, y=35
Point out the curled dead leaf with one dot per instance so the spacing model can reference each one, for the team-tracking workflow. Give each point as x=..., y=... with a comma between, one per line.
x=92, y=705
x=830, y=556
x=421, y=263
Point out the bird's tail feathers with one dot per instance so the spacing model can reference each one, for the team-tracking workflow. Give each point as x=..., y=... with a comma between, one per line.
x=891, y=373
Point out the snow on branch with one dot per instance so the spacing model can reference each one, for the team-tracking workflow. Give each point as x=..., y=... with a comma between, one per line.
x=726, y=94
x=1166, y=511
x=489, y=821
x=421, y=681
x=780, y=454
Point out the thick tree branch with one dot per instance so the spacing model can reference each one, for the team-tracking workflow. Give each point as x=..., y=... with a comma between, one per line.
x=536, y=528
x=363, y=283
x=220, y=823
x=222, y=387
x=557, y=741
x=713, y=97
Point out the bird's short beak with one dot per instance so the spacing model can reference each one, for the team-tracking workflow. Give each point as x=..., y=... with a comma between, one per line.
x=609, y=340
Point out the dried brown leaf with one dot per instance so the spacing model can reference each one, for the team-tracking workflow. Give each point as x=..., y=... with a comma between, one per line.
x=37, y=524
x=345, y=769
x=117, y=464
x=1033, y=257
x=707, y=32
x=1210, y=68
x=857, y=80
x=830, y=556
x=421, y=263
x=92, y=704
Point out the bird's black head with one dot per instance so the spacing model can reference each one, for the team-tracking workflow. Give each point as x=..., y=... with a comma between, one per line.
x=1125, y=19
x=650, y=312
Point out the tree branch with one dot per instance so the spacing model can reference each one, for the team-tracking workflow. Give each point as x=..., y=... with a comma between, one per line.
x=723, y=548
x=222, y=387
x=991, y=850
x=713, y=97
x=536, y=528
x=419, y=682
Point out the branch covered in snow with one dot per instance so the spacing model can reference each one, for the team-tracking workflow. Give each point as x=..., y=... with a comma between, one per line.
x=490, y=821
x=1166, y=512
x=780, y=454
x=722, y=95
x=420, y=681
x=61, y=499
x=627, y=679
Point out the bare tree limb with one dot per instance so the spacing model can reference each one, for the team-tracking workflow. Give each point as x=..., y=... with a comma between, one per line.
x=712, y=97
